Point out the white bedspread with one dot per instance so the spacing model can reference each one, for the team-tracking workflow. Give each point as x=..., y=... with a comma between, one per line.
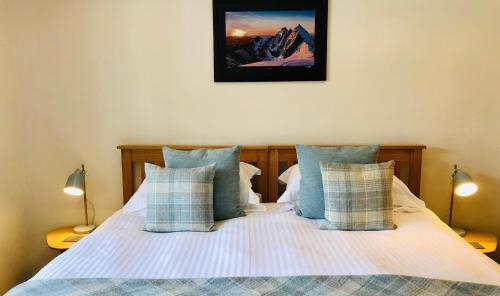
x=273, y=243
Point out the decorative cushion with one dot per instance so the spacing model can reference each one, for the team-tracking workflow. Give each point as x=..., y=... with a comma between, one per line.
x=248, y=198
x=179, y=199
x=403, y=200
x=226, y=180
x=311, y=200
x=358, y=196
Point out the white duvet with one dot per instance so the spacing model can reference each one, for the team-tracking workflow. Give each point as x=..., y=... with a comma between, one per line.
x=273, y=243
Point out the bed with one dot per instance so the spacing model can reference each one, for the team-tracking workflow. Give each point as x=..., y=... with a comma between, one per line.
x=269, y=252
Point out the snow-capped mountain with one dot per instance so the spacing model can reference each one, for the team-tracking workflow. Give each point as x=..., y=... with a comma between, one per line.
x=276, y=45
x=277, y=50
x=295, y=39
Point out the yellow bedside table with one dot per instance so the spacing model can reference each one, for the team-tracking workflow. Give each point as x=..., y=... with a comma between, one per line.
x=488, y=241
x=62, y=238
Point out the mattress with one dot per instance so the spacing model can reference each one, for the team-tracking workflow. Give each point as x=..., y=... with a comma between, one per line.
x=273, y=243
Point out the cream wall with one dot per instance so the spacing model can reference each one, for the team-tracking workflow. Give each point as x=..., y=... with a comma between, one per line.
x=91, y=75
x=14, y=265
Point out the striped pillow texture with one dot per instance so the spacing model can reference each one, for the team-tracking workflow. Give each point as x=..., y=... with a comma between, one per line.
x=358, y=196
x=179, y=199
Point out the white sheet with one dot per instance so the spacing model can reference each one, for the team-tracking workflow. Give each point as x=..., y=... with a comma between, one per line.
x=273, y=243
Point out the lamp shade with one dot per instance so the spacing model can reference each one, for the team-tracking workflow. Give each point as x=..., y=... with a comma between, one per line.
x=75, y=184
x=464, y=185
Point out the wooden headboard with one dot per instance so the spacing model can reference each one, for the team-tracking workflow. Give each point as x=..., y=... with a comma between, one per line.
x=271, y=160
x=408, y=163
x=134, y=157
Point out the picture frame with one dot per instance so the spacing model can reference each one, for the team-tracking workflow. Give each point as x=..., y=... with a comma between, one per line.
x=270, y=40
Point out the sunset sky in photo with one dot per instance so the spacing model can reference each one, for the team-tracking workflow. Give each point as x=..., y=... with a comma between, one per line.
x=263, y=23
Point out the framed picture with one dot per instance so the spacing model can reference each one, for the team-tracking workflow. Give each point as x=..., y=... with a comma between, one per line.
x=270, y=40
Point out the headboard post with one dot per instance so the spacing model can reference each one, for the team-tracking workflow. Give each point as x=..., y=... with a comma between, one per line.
x=263, y=164
x=127, y=174
x=415, y=171
x=273, y=173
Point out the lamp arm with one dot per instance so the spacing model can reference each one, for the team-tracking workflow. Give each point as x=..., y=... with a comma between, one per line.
x=452, y=195
x=451, y=203
x=85, y=196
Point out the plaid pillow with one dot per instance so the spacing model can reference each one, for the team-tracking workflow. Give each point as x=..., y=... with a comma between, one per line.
x=311, y=197
x=358, y=196
x=179, y=199
x=226, y=180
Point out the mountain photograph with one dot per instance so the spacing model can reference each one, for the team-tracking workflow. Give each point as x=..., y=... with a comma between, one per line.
x=270, y=39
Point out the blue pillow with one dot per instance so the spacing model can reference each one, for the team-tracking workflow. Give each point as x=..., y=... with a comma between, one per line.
x=311, y=198
x=227, y=175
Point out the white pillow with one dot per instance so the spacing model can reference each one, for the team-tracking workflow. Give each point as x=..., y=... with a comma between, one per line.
x=402, y=198
x=139, y=200
x=291, y=177
x=247, y=196
x=248, y=170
